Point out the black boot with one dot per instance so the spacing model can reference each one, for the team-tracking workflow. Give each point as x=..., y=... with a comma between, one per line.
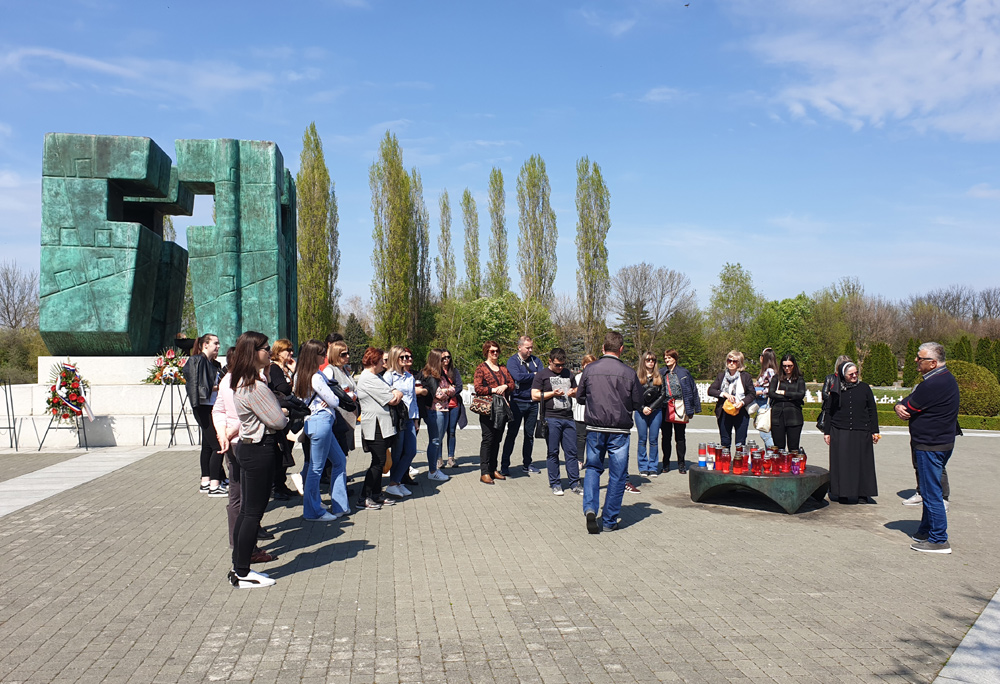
x=682, y=467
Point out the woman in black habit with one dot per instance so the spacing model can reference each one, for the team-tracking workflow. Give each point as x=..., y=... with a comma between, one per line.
x=852, y=432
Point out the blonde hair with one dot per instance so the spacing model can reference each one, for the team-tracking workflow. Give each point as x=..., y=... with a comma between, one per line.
x=643, y=374
x=738, y=355
x=334, y=351
x=280, y=346
x=394, y=353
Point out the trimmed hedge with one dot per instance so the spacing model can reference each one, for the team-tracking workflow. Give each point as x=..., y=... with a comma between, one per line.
x=886, y=418
x=880, y=369
x=980, y=391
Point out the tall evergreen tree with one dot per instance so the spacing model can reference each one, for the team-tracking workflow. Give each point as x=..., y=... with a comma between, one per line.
x=536, y=241
x=593, y=207
x=472, y=287
x=497, y=272
x=984, y=354
x=421, y=268
x=393, y=238
x=910, y=371
x=962, y=350
x=880, y=369
x=445, y=261
x=851, y=351
x=317, y=240
x=356, y=338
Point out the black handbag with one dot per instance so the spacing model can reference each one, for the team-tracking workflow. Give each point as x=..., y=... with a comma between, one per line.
x=542, y=426
x=501, y=414
x=821, y=419
x=400, y=415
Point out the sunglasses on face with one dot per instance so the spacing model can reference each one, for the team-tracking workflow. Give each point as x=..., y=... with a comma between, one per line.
x=406, y=358
x=731, y=361
x=343, y=354
x=924, y=358
x=787, y=365
x=558, y=365
x=266, y=348
x=494, y=351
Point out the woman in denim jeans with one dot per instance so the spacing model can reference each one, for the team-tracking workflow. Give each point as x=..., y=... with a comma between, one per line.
x=768, y=369
x=455, y=404
x=311, y=385
x=440, y=392
x=648, y=420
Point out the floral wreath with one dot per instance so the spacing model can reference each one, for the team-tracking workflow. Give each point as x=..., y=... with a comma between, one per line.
x=66, y=400
x=166, y=369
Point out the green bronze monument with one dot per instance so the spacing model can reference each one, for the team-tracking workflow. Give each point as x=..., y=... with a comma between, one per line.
x=112, y=286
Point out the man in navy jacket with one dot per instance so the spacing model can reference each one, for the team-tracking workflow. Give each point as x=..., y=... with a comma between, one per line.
x=932, y=410
x=522, y=366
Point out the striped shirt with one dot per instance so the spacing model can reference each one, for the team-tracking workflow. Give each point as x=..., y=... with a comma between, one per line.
x=258, y=411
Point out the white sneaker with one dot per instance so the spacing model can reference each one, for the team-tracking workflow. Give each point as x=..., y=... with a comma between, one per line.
x=252, y=580
x=414, y=472
x=326, y=517
x=396, y=490
x=297, y=481
x=404, y=489
x=439, y=476
x=914, y=500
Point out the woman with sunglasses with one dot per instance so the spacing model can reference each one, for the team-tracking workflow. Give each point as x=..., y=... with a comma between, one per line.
x=648, y=420
x=280, y=376
x=491, y=378
x=787, y=391
x=337, y=358
x=735, y=386
x=456, y=408
x=261, y=418
x=440, y=392
x=851, y=432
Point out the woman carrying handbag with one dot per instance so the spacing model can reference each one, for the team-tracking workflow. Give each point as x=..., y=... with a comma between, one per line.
x=491, y=381
x=682, y=402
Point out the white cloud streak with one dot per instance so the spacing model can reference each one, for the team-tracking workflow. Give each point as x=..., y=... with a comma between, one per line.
x=932, y=64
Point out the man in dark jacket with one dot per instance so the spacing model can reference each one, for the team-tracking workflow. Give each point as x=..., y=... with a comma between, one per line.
x=522, y=367
x=610, y=391
x=932, y=410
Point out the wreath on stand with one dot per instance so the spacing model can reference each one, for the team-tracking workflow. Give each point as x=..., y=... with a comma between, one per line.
x=166, y=369
x=66, y=398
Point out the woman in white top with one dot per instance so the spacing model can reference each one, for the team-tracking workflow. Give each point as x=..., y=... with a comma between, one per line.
x=312, y=386
x=377, y=431
x=768, y=369
x=260, y=420
x=578, y=413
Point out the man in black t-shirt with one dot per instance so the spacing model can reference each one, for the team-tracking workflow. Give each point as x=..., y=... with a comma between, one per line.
x=554, y=386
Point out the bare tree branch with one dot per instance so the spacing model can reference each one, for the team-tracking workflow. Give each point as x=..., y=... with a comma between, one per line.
x=18, y=296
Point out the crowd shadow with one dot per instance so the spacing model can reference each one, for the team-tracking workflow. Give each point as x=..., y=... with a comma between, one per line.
x=297, y=533
x=635, y=513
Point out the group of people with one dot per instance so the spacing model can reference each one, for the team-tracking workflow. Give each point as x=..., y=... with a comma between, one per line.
x=253, y=409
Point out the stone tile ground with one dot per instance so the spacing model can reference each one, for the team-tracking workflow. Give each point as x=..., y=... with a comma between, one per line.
x=122, y=579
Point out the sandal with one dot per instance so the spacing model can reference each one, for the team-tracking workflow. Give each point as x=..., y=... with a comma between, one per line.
x=451, y=463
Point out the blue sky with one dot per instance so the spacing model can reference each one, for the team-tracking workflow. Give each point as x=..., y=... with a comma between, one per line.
x=808, y=140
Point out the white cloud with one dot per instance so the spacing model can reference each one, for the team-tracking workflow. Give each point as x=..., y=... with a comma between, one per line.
x=200, y=83
x=660, y=94
x=933, y=64
x=983, y=191
x=599, y=20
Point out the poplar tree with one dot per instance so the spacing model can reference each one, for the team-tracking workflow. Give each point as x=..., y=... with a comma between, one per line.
x=420, y=271
x=593, y=206
x=393, y=238
x=536, y=242
x=497, y=272
x=317, y=240
x=472, y=288
x=445, y=261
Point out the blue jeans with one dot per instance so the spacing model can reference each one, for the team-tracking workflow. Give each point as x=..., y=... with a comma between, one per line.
x=765, y=436
x=528, y=412
x=649, y=432
x=562, y=431
x=727, y=423
x=452, y=428
x=403, y=450
x=437, y=427
x=615, y=446
x=323, y=447
x=934, y=520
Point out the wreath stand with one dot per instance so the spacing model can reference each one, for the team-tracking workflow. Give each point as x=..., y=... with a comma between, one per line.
x=8, y=402
x=175, y=417
x=79, y=424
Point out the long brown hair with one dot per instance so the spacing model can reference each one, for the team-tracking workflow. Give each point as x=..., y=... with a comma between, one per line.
x=310, y=357
x=242, y=367
x=645, y=375
x=433, y=366
x=452, y=371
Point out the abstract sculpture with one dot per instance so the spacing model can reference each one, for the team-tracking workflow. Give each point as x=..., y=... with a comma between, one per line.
x=110, y=284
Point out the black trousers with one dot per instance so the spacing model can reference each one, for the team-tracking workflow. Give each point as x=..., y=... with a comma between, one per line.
x=581, y=441
x=489, y=448
x=256, y=478
x=211, y=459
x=782, y=433
x=372, y=488
x=679, y=430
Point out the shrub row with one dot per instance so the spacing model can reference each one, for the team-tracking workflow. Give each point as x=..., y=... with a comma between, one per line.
x=886, y=418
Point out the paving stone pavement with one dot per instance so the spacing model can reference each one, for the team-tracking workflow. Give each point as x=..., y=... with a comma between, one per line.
x=123, y=579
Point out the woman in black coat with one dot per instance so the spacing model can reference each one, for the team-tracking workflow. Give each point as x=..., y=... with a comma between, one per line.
x=787, y=391
x=852, y=432
x=736, y=385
